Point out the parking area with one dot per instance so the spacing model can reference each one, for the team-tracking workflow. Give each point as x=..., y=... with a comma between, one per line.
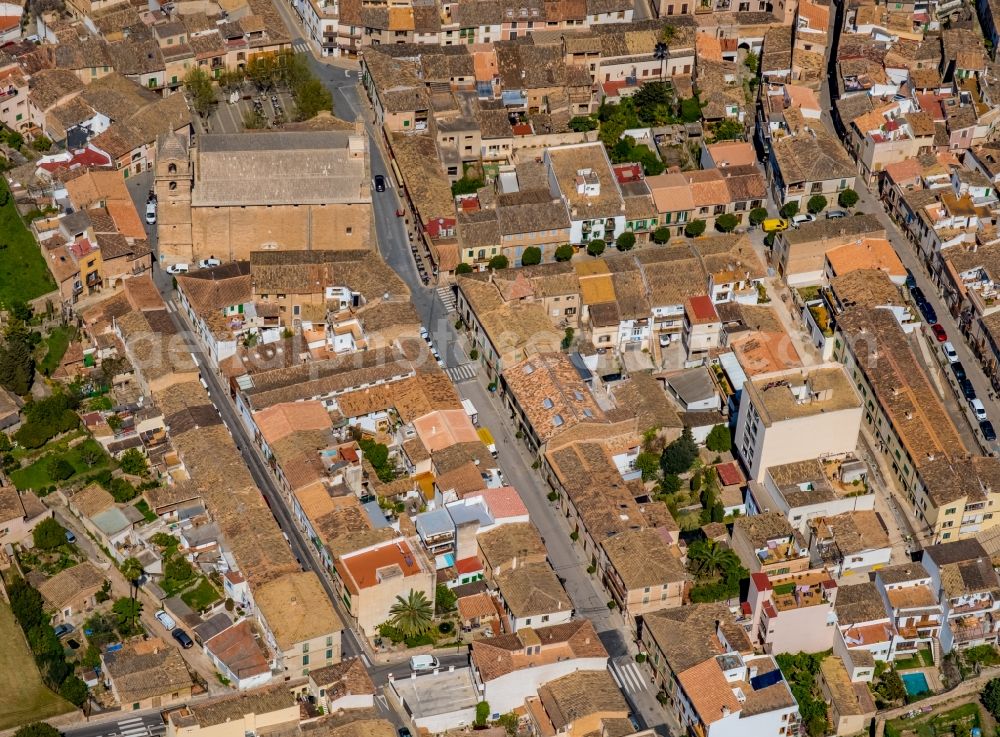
x=269, y=109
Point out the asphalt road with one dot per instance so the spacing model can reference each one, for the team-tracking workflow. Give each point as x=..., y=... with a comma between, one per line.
x=128, y=724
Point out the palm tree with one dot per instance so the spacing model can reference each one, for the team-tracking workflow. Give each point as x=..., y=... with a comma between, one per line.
x=412, y=615
x=708, y=556
x=132, y=570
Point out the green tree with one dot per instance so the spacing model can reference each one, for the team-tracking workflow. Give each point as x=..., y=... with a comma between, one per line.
x=848, y=198
x=648, y=464
x=74, y=691
x=567, y=339
x=59, y=469
x=758, y=215
x=90, y=455
x=26, y=604
x=412, y=615
x=41, y=144
x=729, y=129
x=626, y=241
x=671, y=483
x=498, y=262
x=37, y=729
x=15, y=140
x=178, y=571
x=132, y=570
x=444, y=599
x=817, y=203
x=694, y=228
x=680, y=454
x=564, y=252
x=889, y=687
x=21, y=310
x=596, y=247
x=482, y=713
x=718, y=512
x=17, y=364
x=726, y=222
x=199, y=86
x=133, y=462
x=463, y=268
x=122, y=490
x=126, y=612
x=582, y=123
x=790, y=209
x=661, y=235
x=48, y=534
x=311, y=98
x=990, y=697
x=709, y=558
x=751, y=61
x=719, y=439
x=531, y=256
x=654, y=102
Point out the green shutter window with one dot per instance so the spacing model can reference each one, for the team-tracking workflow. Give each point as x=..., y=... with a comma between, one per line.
x=406, y=123
x=239, y=309
x=305, y=660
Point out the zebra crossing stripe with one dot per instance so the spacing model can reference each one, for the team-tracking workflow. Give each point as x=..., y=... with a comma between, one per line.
x=617, y=679
x=631, y=674
x=133, y=720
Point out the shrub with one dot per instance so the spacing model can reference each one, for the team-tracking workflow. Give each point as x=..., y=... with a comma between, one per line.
x=59, y=469
x=848, y=198
x=482, y=713
x=564, y=252
x=445, y=627
x=694, y=228
x=474, y=354
x=991, y=697
x=133, y=462
x=680, y=454
x=531, y=255
x=661, y=235
x=790, y=209
x=498, y=262
x=671, y=483
x=48, y=534
x=726, y=222
x=719, y=439
x=758, y=215
x=463, y=268
x=596, y=247
x=817, y=203
x=626, y=241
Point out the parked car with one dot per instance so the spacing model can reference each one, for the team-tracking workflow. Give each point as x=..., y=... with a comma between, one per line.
x=802, y=218
x=968, y=390
x=664, y=340
x=403, y=732
x=918, y=295
x=178, y=269
x=911, y=283
x=166, y=620
x=773, y=224
x=419, y=663
x=986, y=428
x=208, y=263
x=835, y=214
x=379, y=183
x=939, y=332
x=949, y=352
x=182, y=637
x=70, y=538
x=927, y=310
x=151, y=213
x=958, y=369
x=62, y=630
x=978, y=409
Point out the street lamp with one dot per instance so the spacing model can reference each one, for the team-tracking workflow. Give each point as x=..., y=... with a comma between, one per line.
x=661, y=52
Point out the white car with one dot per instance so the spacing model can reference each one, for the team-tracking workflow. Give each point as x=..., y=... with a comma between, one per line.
x=166, y=620
x=803, y=218
x=949, y=352
x=208, y=263
x=150, y=213
x=978, y=409
x=664, y=340
x=178, y=269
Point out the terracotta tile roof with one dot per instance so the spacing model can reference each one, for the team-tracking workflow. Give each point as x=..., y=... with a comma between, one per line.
x=281, y=420
x=642, y=558
x=144, y=670
x=579, y=695
x=520, y=540
x=296, y=609
x=71, y=582
x=259, y=701
x=239, y=651
x=347, y=678
x=532, y=589
x=498, y=656
x=11, y=507
x=91, y=500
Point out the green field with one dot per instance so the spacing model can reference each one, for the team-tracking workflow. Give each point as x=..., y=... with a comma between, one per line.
x=55, y=348
x=200, y=596
x=23, y=273
x=25, y=699
x=36, y=476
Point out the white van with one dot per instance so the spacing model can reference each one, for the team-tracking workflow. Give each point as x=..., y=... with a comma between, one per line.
x=166, y=620
x=422, y=663
x=978, y=409
x=949, y=352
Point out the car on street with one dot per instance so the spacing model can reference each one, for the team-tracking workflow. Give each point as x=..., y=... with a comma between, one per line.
x=802, y=218
x=958, y=369
x=208, y=263
x=911, y=283
x=150, y=213
x=968, y=390
x=939, y=332
x=836, y=214
x=70, y=538
x=421, y=663
x=774, y=224
x=664, y=340
x=182, y=638
x=178, y=269
x=166, y=620
x=976, y=405
x=62, y=630
x=918, y=294
x=379, y=183
x=403, y=732
x=949, y=352
x=986, y=428
x=927, y=310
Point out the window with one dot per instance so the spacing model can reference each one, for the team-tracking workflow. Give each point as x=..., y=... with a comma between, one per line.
x=305, y=647
x=305, y=660
x=329, y=654
x=350, y=230
x=329, y=641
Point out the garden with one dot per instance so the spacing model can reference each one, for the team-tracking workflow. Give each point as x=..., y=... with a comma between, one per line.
x=50, y=551
x=957, y=722
x=412, y=620
x=180, y=578
x=923, y=658
x=61, y=464
x=23, y=273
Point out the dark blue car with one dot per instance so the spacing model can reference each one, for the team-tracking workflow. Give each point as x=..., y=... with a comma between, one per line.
x=959, y=370
x=928, y=312
x=968, y=391
x=989, y=434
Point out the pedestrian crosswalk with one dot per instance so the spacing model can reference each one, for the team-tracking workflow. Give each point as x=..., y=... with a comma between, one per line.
x=447, y=295
x=627, y=675
x=465, y=372
x=300, y=47
x=138, y=727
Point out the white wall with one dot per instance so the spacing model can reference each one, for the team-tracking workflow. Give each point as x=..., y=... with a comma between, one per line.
x=536, y=621
x=508, y=692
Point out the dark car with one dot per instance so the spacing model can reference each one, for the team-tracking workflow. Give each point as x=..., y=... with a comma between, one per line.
x=379, y=183
x=918, y=295
x=989, y=434
x=968, y=390
x=927, y=310
x=939, y=332
x=403, y=732
x=911, y=283
x=62, y=630
x=958, y=369
x=183, y=638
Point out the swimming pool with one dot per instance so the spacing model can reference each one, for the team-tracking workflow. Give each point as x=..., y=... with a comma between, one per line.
x=915, y=683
